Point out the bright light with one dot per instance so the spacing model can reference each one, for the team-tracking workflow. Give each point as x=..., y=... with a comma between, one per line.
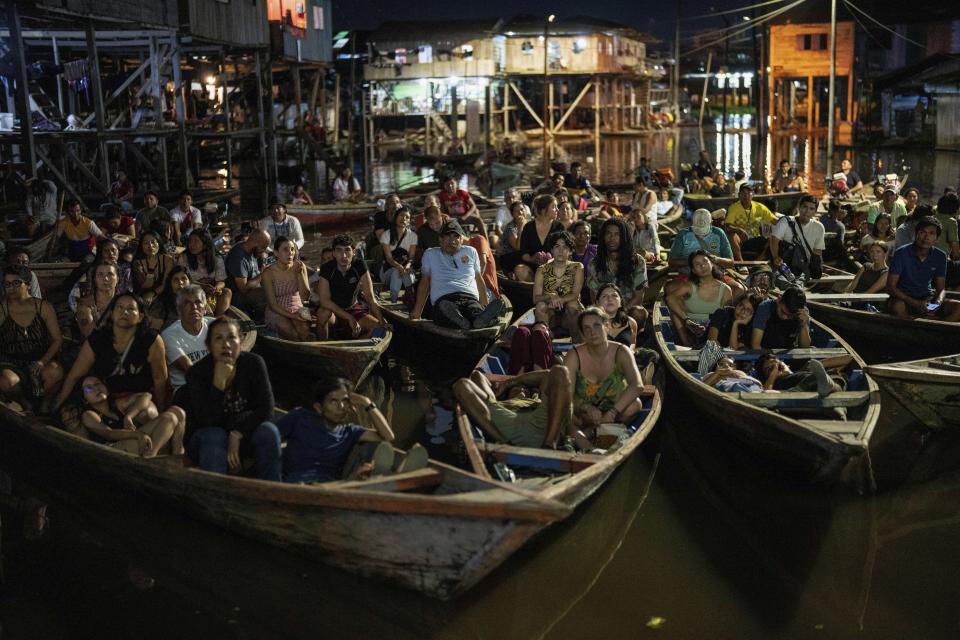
x=551, y=18
x=211, y=80
x=424, y=82
x=746, y=18
x=581, y=43
x=453, y=80
x=541, y=38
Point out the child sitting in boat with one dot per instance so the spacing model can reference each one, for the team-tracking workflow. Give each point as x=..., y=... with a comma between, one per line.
x=321, y=438
x=130, y=423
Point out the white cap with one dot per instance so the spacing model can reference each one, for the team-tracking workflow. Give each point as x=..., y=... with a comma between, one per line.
x=701, y=222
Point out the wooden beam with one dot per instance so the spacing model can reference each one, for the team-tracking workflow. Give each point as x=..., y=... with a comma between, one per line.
x=180, y=108
x=64, y=183
x=408, y=481
x=141, y=159
x=529, y=109
x=82, y=168
x=27, y=148
x=130, y=80
x=99, y=110
x=573, y=105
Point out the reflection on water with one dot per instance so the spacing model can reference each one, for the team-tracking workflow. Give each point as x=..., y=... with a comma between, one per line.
x=691, y=529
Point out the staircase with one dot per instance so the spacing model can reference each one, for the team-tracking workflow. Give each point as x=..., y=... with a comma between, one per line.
x=441, y=125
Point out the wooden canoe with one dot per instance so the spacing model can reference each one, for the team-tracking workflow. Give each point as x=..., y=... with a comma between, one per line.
x=798, y=430
x=776, y=202
x=452, y=346
x=438, y=530
x=36, y=249
x=331, y=215
x=929, y=388
x=248, y=330
x=52, y=276
x=880, y=335
x=350, y=359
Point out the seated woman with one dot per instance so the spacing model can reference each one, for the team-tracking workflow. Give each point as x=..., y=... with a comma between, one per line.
x=881, y=231
x=606, y=381
x=535, y=238
x=206, y=269
x=108, y=251
x=622, y=328
x=321, y=438
x=92, y=309
x=566, y=214
x=300, y=195
x=508, y=251
x=165, y=312
x=692, y=302
x=286, y=286
x=130, y=423
x=557, y=285
x=730, y=326
x=399, y=245
x=150, y=268
x=229, y=403
x=29, y=340
x=872, y=276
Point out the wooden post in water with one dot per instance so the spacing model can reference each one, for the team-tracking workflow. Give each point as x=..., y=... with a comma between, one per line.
x=831, y=90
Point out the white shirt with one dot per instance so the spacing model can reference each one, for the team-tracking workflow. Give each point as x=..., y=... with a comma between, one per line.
x=178, y=342
x=342, y=189
x=662, y=208
x=504, y=217
x=179, y=215
x=452, y=274
x=813, y=232
x=290, y=228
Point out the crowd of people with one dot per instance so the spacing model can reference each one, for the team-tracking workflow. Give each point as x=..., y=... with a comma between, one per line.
x=151, y=363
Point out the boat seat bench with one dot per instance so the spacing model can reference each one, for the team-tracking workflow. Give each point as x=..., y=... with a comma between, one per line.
x=549, y=459
x=804, y=399
x=408, y=481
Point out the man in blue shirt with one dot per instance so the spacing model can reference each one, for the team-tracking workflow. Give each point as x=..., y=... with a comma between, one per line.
x=452, y=277
x=701, y=234
x=782, y=323
x=917, y=278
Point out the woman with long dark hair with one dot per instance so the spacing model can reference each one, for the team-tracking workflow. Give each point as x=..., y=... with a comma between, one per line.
x=150, y=268
x=693, y=301
x=206, y=269
x=617, y=263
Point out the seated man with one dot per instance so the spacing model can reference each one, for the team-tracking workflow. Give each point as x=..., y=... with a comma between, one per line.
x=116, y=224
x=809, y=240
x=428, y=234
x=701, y=234
x=917, y=279
x=321, y=438
x=79, y=230
x=453, y=278
x=459, y=204
x=150, y=212
x=341, y=281
x=522, y=422
x=185, y=216
x=280, y=224
x=783, y=323
x=243, y=271
x=744, y=222
x=185, y=340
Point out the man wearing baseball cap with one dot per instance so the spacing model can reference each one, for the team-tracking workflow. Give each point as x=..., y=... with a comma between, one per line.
x=889, y=204
x=701, y=234
x=453, y=279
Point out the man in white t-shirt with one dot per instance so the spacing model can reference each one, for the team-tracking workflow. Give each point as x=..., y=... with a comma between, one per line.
x=186, y=216
x=280, y=224
x=504, y=217
x=452, y=277
x=811, y=229
x=185, y=341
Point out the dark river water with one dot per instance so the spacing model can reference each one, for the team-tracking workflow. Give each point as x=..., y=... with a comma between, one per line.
x=691, y=538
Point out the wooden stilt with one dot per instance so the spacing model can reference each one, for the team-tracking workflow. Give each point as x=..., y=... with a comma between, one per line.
x=27, y=148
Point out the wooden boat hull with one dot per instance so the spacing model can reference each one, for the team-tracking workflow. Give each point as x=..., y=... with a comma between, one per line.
x=350, y=359
x=439, y=544
x=823, y=454
x=776, y=202
x=325, y=215
x=455, y=348
x=885, y=337
x=932, y=395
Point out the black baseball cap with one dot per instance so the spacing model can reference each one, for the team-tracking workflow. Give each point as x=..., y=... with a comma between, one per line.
x=452, y=226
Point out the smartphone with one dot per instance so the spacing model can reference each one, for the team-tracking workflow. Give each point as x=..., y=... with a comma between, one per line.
x=932, y=307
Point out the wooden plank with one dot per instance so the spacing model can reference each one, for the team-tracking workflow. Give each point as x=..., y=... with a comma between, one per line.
x=847, y=297
x=805, y=399
x=946, y=366
x=836, y=427
x=407, y=481
x=562, y=461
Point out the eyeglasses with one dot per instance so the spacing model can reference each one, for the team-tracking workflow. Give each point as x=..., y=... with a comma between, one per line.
x=12, y=284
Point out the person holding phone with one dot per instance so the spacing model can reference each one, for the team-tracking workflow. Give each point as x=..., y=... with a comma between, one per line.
x=917, y=279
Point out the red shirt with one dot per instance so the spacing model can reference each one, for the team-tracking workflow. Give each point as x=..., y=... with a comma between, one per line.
x=489, y=274
x=456, y=205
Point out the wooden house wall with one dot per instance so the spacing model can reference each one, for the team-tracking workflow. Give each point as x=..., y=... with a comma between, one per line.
x=788, y=59
x=598, y=56
x=237, y=22
x=150, y=13
x=948, y=122
x=315, y=41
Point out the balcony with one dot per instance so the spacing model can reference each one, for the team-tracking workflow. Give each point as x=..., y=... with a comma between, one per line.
x=437, y=69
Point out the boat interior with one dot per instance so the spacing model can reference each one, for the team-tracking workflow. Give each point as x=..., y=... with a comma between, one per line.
x=854, y=400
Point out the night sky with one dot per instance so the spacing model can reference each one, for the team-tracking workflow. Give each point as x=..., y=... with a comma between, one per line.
x=646, y=15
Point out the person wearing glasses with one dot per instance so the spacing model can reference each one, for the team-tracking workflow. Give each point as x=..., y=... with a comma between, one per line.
x=783, y=323
x=29, y=339
x=452, y=276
